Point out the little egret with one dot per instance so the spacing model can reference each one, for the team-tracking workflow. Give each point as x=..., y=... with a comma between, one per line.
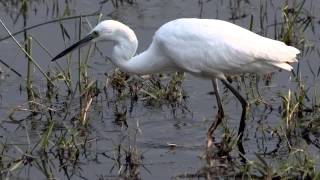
x=212, y=49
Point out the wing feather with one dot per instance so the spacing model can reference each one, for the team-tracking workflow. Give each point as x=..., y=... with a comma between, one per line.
x=218, y=47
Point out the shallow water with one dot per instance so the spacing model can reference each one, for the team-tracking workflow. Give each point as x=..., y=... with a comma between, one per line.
x=157, y=125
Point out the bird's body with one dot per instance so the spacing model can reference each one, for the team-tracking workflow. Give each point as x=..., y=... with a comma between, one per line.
x=214, y=48
x=207, y=48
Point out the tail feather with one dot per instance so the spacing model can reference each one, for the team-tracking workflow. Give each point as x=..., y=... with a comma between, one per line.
x=280, y=55
x=293, y=53
x=284, y=66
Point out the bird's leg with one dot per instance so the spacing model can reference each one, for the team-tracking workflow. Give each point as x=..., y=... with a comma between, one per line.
x=243, y=115
x=219, y=116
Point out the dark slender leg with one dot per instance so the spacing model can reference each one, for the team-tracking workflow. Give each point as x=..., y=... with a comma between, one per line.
x=216, y=90
x=243, y=115
x=219, y=116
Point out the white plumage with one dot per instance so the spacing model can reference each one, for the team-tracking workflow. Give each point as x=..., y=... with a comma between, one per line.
x=215, y=48
x=203, y=47
x=207, y=48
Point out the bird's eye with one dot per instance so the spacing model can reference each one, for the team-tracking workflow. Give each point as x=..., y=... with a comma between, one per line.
x=95, y=33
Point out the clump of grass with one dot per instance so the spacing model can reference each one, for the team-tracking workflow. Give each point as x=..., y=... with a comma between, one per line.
x=119, y=81
x=228, y=142
x=298, y=165
x=291, y=32
x=156, y=92
x=153, y=90
x=289, y=109
x=126, y=156
x=120, y=115
x=292, y=108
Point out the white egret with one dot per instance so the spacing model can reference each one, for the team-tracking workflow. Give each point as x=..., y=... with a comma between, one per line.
x=212, y=49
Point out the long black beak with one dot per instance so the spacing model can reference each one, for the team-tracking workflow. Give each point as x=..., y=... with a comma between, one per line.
x=80, y=43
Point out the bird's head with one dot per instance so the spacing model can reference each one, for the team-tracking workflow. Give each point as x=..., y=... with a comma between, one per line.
x=108, y=30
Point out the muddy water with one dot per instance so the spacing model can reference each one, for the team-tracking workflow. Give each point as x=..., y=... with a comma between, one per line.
x=157, y=126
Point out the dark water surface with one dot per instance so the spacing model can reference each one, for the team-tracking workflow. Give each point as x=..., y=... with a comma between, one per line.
x=151, y=128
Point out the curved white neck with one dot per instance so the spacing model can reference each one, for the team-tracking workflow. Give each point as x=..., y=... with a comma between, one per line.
x=123, y=51
x=149, y=61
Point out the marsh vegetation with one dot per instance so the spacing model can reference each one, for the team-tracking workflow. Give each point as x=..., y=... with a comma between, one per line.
x=82, y=118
